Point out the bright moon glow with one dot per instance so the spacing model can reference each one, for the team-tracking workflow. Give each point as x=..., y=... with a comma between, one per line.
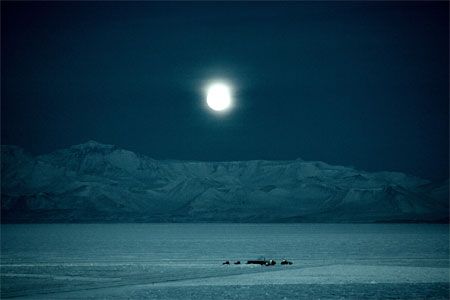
x=218, y=97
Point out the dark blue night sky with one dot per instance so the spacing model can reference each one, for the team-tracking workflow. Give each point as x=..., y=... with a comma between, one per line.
x=349, y=83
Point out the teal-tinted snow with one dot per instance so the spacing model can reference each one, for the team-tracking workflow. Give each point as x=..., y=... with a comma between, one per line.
x=96, y=182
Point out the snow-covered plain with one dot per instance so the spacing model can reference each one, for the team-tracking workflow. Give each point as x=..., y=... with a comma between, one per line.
x=184, y=261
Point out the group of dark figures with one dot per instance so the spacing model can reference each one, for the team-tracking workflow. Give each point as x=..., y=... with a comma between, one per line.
x=261, y=262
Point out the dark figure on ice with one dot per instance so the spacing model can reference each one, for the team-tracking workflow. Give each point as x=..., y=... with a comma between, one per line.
x=286, y=262
x=262, y=262
x=271, y=262
x=256, y=262
x=237, y=262
x=226, y=262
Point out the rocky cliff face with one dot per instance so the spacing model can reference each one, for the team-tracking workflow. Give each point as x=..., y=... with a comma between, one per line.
x=93, y=182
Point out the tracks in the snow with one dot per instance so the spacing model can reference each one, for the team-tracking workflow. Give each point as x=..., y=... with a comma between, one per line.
x=136, y=279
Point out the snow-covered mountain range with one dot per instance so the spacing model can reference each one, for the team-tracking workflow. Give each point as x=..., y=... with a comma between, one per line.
x=93, y=182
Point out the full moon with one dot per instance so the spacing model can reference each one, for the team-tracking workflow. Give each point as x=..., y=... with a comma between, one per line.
x=218, y=97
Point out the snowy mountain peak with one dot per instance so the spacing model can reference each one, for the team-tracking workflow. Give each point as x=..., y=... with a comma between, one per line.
x=91, y=144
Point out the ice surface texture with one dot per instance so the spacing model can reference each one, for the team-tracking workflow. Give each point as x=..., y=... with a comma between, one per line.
x=184, y=261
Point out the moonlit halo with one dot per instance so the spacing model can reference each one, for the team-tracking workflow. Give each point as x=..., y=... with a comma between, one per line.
x=218, y=96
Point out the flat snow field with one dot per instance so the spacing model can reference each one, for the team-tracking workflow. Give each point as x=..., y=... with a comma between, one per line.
x=184, y=261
